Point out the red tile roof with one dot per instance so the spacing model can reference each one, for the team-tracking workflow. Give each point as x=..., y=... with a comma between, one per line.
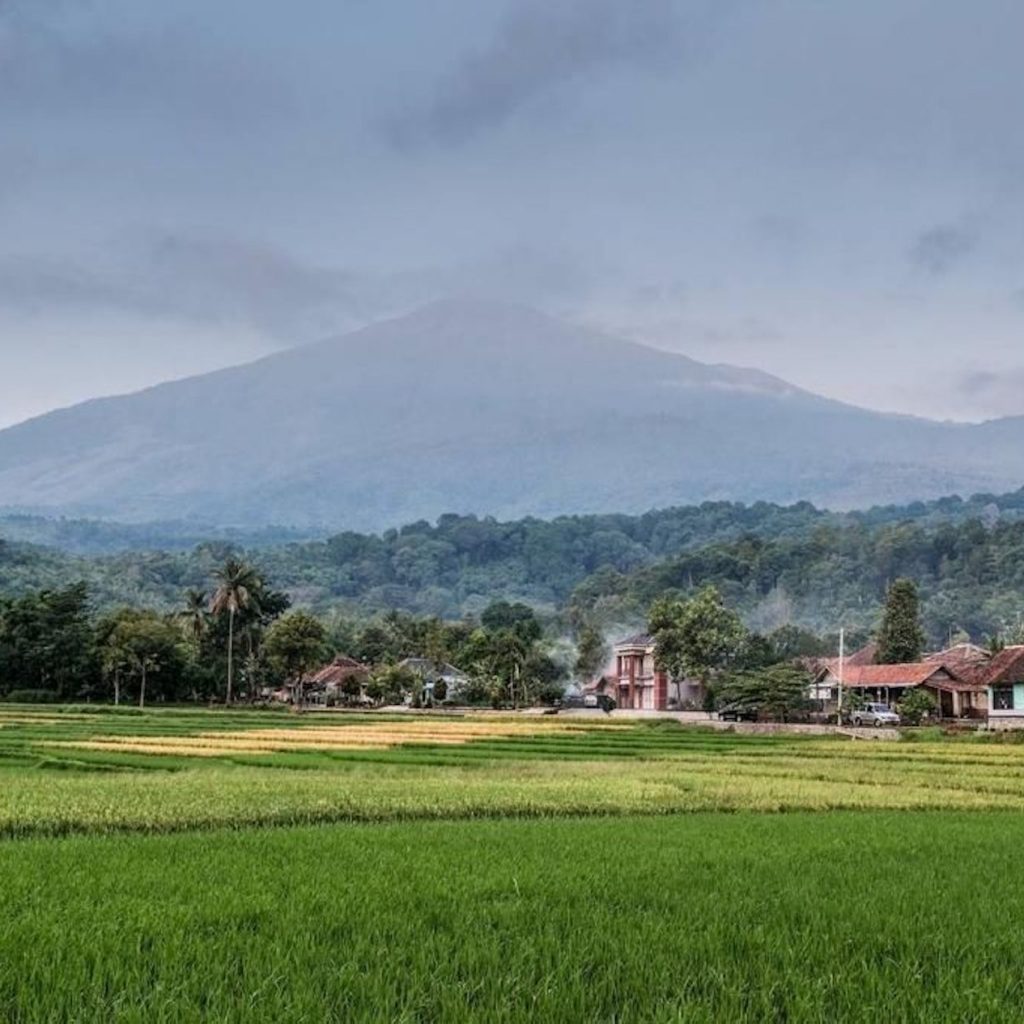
x=913, y=674
x=338, y=671
x=865, y=656
x=1006, y=668
x=968, y=661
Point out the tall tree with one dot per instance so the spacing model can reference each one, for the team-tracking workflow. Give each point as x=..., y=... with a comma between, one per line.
x=900, y=637
x=142, y=643
x=591, y=652
x=695, y=638
x=295, y=645
x=238, y=589
x=193, y=616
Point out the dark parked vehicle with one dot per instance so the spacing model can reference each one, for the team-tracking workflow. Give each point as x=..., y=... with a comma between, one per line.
x=737, y=713
x=598, y=701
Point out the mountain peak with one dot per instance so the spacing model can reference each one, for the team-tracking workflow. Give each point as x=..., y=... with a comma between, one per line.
x=471, y=405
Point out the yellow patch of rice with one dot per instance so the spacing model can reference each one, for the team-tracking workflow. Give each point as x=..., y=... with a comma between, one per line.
x=372, y=736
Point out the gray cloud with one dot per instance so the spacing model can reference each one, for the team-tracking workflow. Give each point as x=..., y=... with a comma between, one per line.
x=783, y=184
x=995, y=394
x=539, y=46
x=52, y=60
x=207, y=281
x=941, y=248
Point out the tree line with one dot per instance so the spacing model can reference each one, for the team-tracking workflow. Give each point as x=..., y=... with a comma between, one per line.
x=700, y=637
x=240, y=638
x=460, y=564
x=970, y=577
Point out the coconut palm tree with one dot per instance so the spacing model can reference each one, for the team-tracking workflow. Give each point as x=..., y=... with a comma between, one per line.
x=193, y=615
x=238, y=589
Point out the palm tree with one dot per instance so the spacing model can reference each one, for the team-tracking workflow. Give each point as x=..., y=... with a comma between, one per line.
x=193, y=615
x=238, y=589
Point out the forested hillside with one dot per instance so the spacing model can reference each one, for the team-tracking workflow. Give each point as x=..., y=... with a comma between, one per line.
x=971, y=578
x=776, y=563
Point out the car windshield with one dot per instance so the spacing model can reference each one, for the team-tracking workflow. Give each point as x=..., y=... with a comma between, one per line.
x=880, y=708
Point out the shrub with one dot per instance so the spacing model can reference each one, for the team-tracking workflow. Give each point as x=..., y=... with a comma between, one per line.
x=915, y=705
x=31, y=697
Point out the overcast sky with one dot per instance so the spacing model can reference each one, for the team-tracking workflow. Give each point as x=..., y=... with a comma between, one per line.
x=830, y=191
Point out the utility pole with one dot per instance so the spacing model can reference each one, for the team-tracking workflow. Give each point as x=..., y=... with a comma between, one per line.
x=842, y=670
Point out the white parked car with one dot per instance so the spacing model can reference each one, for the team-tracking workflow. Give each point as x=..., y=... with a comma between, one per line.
x=877, y=715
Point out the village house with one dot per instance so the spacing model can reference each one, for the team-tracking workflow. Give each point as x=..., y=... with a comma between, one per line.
x=1005, y=686
x=432, y=673
x=956, y=678
x=635, y=683
x=330, y=685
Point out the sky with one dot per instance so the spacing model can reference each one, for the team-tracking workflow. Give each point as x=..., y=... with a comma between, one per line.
x=832, y=192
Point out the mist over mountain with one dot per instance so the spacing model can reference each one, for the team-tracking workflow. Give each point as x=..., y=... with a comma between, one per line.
x=486, y=408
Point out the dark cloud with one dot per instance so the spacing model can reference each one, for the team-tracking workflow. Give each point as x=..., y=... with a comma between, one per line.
x=538, y=46
x=939, y=249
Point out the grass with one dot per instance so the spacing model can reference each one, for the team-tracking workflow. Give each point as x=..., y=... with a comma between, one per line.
x=239, y=866
x=845, y=917
x=173, y=771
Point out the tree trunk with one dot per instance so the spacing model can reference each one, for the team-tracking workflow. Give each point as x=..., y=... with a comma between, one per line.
x=117, y=688
x=231, y=651
x=142, y=688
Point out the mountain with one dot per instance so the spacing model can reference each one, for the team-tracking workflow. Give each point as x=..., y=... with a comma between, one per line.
x=481, y=407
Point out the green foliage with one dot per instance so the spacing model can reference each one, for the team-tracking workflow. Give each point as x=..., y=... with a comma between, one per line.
x=901, y=638
x=145, y=647
x=295, y=645
x=391, y=684
x=776, y=565
x=916, y=705
x=31, y=697
x=695, y=638
x=853, y=700
x=779, y=691
x=592, y=652
x=46, y=642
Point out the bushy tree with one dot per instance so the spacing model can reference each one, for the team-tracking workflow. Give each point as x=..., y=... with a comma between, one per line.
x=916, y=704
x=696, y=638
x=295, y=645
x=141, y=644
x=779, y=691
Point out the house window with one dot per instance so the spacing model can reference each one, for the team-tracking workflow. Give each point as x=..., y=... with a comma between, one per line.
x=1002, y=698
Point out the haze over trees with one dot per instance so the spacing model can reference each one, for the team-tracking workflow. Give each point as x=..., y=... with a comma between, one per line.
x=777, y=566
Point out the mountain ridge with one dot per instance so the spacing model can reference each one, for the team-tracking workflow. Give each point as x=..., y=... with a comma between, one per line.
x=480, y=407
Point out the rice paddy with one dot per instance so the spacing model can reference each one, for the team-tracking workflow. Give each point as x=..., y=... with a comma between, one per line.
x=211, y=865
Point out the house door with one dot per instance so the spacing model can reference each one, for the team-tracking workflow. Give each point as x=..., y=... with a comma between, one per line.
x=945, y=703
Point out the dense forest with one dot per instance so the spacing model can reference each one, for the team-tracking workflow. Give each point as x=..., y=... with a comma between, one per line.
x=776, y=564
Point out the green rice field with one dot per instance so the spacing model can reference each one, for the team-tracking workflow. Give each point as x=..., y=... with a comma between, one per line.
x=253, y=866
